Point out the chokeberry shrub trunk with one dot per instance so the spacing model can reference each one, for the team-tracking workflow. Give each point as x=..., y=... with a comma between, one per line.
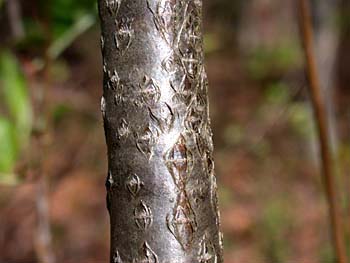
x=161, y=187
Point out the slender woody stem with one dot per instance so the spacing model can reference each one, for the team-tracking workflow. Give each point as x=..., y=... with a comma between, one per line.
x=44, y=246
x=322, y=125
x=161, y=183
x=15, y=18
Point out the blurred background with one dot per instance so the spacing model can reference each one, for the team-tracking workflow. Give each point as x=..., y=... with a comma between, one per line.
x=52, y=149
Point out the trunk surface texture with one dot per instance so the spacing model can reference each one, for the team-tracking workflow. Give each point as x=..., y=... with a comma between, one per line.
x=161, y=183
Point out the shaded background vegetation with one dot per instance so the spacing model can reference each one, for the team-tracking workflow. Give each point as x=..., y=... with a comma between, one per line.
x=271, y=193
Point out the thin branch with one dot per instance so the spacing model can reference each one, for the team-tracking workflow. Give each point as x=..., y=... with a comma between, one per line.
x=15, y=18
x=320, y=113
x=44, y=238
x=45, y=251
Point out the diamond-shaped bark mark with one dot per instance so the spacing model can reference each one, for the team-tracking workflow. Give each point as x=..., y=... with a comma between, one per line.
x=166, y=14
x=103, y=106
x=110, y=187
x=182, y=223
x=184, y=92
x=121, y=94
x=113, y=80
x=105, y=66
x=146, y=255
x=197, y=117
x=193, y=27
x=110, y=183
x=102, y=41
x=194, y=120
x=150, y=92
x=123, y=129
x=146, y=141
x=187, y=89
x=201, y=145
x=113, y=6
x=124, y=35
x=116, y=257
x=204, y=83
x=208, y=161
x=206, y=252
x=169, y=19
x=143, y=216
x=204, y=140
x=163, y=117
x=201, y=103
x=134, y=184
x=171, y=63
x=179, y=162
x=191, y=62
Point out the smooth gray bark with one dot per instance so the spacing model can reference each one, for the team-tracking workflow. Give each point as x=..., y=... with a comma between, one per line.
x=161, y=184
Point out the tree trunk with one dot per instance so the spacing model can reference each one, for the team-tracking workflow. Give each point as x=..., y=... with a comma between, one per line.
x=161, y=184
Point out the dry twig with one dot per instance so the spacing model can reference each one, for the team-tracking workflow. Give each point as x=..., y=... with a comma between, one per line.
x=322, y=125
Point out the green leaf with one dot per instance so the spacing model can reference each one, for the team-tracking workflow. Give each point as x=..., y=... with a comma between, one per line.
x=15, y=95
x=82, y=24
x=64, y=13
x=8, y=147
